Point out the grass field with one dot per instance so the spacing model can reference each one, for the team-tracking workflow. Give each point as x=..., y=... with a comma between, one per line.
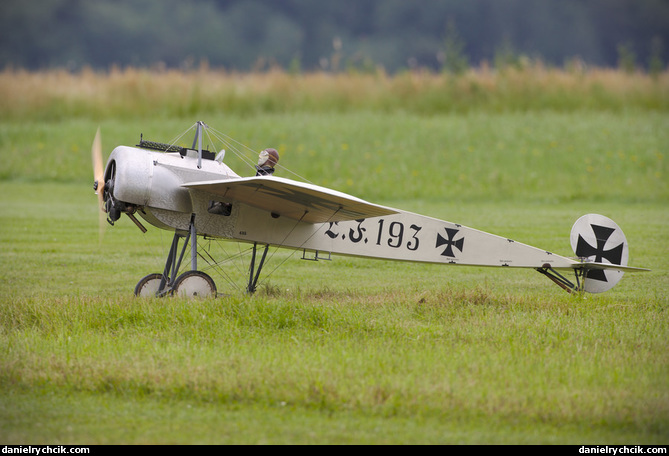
x=348, y=351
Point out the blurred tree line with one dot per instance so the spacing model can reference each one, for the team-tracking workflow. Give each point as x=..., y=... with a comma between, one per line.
x=306, y=35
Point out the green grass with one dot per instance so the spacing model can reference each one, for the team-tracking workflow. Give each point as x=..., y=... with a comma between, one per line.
x=348, y=351
x=536, y=156
x=493, y=370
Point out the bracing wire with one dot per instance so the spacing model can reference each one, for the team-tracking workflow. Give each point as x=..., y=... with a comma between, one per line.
x=239, y=149
x=242, y=152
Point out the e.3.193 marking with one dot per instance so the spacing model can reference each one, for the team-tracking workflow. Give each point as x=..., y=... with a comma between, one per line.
x=394, y=234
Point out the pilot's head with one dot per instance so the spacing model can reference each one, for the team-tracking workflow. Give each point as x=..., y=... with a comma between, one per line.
x=268, y=157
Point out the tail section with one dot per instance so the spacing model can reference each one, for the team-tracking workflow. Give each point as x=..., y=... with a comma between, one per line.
x=602, y=249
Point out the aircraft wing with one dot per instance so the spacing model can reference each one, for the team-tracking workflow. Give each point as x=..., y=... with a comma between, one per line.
x=296, y=200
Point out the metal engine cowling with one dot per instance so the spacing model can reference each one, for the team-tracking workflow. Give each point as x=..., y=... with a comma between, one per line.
x=135, y=178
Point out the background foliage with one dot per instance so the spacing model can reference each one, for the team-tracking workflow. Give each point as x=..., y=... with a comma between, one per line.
x=308, y=35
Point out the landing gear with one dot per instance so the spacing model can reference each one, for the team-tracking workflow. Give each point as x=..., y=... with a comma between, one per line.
x=191, y=283
x=254, y=275
x=194, y=284
x=148, y=286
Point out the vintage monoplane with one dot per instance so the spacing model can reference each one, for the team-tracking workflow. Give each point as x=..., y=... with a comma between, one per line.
x=193, y=193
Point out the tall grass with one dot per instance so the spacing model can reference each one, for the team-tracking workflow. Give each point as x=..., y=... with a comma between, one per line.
x=499, y=364
x=452, y=352
x=132, y=92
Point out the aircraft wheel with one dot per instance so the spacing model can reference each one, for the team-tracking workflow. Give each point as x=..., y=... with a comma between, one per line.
x=148, y=286
x=194, y=284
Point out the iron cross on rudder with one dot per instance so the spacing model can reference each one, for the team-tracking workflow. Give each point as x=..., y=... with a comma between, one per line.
x=585, y=250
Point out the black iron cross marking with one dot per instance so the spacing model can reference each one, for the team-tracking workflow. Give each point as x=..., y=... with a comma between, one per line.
x=614, y=255
x=450, y=242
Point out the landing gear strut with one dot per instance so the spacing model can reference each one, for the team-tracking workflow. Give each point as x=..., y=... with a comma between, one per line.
x=253, y=279
x=191, y=283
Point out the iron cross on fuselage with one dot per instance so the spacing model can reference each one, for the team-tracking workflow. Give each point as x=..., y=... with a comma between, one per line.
x=450, y=242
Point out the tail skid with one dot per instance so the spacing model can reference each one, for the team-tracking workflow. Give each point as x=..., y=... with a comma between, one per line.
x=562, y=281
x=581, y=272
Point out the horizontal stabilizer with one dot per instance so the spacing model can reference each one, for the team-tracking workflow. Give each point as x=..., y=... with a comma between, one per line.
x=591, y=265
x=296, y=200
